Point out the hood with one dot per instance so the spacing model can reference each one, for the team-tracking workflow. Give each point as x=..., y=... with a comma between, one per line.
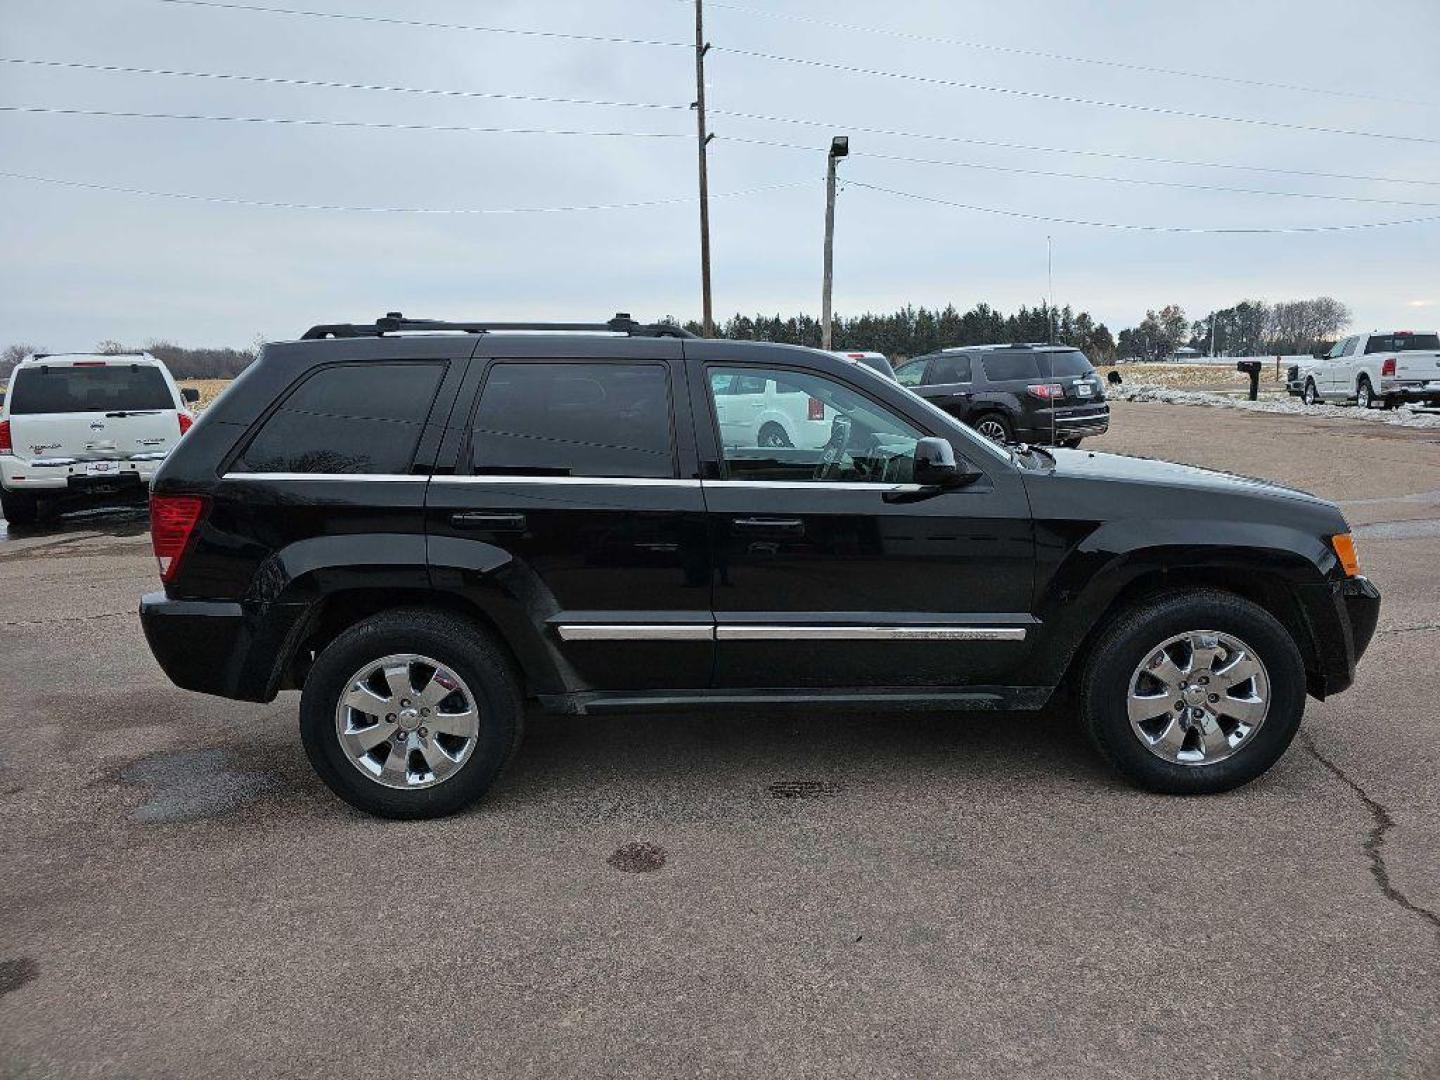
x=1087, y=465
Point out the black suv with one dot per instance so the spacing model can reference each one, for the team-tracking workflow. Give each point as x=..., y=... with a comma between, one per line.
x=424, y=531
x=1043, y=394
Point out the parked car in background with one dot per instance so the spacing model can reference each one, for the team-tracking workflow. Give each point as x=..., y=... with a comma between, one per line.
x=424, y=530
x=1383, y=368
x=876, y=362
x=754, y=410
x=77, y=426
x=1044, y=394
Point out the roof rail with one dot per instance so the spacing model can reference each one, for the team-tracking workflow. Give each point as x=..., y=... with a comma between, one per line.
x=394, y=323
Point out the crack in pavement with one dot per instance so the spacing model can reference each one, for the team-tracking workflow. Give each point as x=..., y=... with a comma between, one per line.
x=68, y=619
x=1383, y=824
x=1408, y=629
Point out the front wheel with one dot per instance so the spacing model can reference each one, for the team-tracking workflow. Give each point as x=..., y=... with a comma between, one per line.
x=1193, y=693
x=1311, y=395
x=410, y=714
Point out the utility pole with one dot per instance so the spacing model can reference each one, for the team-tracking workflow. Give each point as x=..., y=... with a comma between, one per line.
x=1050, y=283
x=701, y=48
x=839, y=147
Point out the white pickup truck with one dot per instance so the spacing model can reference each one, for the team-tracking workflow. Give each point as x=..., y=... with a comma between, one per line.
x=81, y=425
x=1382, y=369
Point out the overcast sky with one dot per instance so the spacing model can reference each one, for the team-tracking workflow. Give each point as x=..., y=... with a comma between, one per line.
x=83, y=265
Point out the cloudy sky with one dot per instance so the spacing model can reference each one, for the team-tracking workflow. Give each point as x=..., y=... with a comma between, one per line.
x=83, y=265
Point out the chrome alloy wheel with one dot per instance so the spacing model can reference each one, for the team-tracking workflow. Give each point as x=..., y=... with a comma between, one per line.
x=407, y=721
x=1198, y=697
x=992, y=429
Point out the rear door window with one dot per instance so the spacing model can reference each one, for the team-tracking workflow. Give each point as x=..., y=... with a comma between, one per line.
x=950, y=369
x=548, y=418
x=1005, y=366
x=111, y=388
x=350, y=418
x=1065, y=365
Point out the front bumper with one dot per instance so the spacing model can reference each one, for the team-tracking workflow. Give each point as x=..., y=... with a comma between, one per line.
x=1343, y=615
x=233, y=650
x=73, y=476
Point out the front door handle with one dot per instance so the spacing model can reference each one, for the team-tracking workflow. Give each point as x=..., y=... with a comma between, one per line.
x=769, y=523
x=475, y=519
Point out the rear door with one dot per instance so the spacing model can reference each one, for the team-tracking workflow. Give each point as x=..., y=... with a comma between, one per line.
x=94, y=410
x=575, y=514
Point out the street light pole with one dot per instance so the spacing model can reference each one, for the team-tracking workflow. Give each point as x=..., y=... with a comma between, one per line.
x=839, y=147
x=701, y=48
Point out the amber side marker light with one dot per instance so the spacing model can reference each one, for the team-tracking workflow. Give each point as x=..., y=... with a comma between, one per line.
x=1344, y=545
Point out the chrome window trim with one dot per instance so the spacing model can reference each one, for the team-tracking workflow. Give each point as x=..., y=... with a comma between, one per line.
x=580, y=481
x=812, y=485
x=583, y=481
x=382, y=478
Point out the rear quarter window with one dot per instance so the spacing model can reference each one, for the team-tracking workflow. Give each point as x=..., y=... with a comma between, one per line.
x=352, y=418
x=112, y=388
x=1005, y=366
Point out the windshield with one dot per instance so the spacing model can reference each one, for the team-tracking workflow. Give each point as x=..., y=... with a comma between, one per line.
x=1383, y=343
x=111, y=388
x=1066, y=364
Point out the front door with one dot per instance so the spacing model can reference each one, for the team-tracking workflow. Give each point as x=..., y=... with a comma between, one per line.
x=570, y=514
x=830, y=572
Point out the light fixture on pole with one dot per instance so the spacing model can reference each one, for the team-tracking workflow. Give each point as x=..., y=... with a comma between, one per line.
x=839, y=147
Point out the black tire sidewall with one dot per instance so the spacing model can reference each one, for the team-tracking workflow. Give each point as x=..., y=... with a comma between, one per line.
x=1123, y=648
x=458, y=644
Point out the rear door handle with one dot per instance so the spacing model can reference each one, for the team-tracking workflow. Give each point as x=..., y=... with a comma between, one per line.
x=769, y=523
x=474, y=519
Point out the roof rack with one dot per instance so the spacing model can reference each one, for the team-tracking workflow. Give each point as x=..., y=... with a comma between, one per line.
x=394, y=323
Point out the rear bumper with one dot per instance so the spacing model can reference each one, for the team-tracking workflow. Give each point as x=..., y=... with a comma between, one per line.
x=232, y=650
x=1056, y=425
x=1410, y=392
x=69, y=476
x=1343, y=616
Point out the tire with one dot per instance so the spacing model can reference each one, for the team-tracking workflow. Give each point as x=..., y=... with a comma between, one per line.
x=1237, y=756
x=472, y=662
x=773, y=436
x=995, y=427
x=1310, y=395
x=19, y=507
x=1364, y=393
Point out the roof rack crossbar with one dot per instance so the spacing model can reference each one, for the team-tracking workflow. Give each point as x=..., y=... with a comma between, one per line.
x=394, y=323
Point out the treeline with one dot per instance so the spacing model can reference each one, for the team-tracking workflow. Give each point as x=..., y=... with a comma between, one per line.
x=183, y=363
x=1249, y=328
x=913, y=331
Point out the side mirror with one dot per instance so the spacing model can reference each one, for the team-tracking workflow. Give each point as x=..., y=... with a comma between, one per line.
x=189, y=394
x=936, y=466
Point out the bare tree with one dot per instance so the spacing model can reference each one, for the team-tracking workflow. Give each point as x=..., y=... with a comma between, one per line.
x=13, y=354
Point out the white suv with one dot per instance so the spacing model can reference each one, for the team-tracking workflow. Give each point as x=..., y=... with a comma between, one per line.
x=78, y=425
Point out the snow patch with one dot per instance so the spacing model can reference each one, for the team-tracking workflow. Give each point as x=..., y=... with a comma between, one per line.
x=1403, y=416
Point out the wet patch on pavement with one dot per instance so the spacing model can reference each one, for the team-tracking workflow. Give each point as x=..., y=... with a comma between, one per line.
x=638, y=858
x=1425, y=528
x=192, y=785
x=16, y=973
x=122, y=708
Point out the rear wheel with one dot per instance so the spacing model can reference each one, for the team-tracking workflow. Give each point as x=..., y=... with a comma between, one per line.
x=19, y=507
x=1311, y=395
x=773, y=436
x=410, y=714
x=1364, y=395
x=1193, y=693
x=995, y=427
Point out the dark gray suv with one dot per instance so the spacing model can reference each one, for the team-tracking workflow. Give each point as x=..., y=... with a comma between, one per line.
x=1044, y=394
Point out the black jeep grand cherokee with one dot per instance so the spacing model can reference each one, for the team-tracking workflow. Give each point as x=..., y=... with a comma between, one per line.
x=423, y=531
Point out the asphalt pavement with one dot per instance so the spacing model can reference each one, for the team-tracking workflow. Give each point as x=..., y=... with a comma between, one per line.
x=724, y=895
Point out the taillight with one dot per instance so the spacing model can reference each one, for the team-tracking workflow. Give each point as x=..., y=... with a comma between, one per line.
x=815, y=410
x=1387, y=366
x=6, y=446
x=1046, y=391
x=186, y=420
x=172, y=524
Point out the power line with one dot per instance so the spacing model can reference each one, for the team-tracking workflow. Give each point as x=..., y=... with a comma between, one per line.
x=306, y=122
x=928, y=80
x=1143, y=228
x=424, y=24
x=272, y=205
x=833, y=124
x=1068, y=99
x=1041, y=54
x=275, y=80
x=985, y=167
x=1032, y=148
